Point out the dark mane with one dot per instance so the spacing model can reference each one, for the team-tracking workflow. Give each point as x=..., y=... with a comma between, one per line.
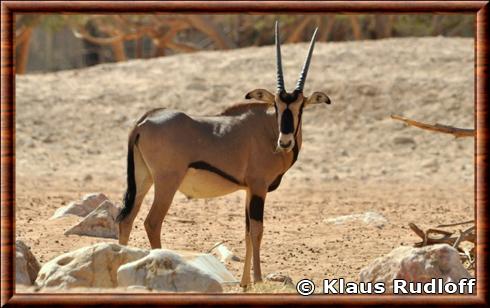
x=243, y=107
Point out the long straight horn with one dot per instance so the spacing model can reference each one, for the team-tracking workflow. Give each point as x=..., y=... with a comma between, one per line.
x=302, y=77
x=280, y=76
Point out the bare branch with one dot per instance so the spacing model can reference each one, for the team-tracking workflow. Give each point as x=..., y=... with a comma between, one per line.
x=356, y=27
x=457, y=224
x=213, y=31
x=457, y=132
x=436, y=231
x=83, y=34
x=298, y=29
x=464, y=235
x=21, y=34
x=181, y=47
x=417, y=230
x=447, y=238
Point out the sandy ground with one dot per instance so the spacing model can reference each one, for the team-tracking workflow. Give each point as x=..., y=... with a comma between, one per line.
x=72, y=126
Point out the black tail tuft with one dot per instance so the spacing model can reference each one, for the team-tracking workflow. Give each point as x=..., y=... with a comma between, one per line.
x=130, y=194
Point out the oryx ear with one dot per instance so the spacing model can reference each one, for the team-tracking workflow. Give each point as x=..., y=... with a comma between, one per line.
x=261, y=95
x=318, y=98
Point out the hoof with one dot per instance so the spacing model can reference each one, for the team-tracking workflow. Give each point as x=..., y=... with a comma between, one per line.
x=245, y=286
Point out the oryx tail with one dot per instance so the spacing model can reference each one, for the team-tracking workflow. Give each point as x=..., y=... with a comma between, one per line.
x=130, y=194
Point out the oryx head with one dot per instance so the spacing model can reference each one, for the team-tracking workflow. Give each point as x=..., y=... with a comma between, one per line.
x=289, y=105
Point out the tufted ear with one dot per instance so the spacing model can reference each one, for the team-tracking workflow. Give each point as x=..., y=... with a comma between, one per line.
x=261, y=95
x=318, y=98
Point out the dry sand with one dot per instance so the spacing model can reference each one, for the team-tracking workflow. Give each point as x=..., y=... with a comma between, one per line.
x=72, y=126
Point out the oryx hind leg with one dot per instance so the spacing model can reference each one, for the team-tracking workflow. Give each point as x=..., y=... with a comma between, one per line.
x=165, y=187
x=143, y=183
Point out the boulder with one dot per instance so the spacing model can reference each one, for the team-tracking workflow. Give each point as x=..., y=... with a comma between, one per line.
x=26, y=265
x=94, y=266
x=99, y=223
x=416, y=265
x=166, y=270
x=81, y=208
x=209, y=264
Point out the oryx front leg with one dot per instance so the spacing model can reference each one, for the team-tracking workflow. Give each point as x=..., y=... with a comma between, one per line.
x=248, y=246
x=256, y=231
x=256, y=215
x=165, y=188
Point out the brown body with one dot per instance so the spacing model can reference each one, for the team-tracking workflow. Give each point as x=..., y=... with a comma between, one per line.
x=233, y=143
x=248, y=147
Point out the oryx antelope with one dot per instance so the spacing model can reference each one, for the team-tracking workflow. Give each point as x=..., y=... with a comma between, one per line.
x=248, y=146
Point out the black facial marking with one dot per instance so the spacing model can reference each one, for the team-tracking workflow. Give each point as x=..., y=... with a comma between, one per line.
x=205, y=166
x=257, y=208
x=287, y=122
x=289, y=98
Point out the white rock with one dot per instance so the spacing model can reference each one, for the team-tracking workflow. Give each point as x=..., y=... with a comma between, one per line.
x=26, y=265
x=81, y=208
x=209, y=264
x=166, y=270
x=224, y=252
x=369, y=218
x=416, y=265
x=94, y=266
x=276, y=277
x=99, y=223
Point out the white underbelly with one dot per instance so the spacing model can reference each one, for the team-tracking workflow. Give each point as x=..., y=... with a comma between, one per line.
x=199, y=183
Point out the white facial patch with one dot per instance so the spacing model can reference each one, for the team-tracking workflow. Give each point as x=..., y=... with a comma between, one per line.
x=285, y=142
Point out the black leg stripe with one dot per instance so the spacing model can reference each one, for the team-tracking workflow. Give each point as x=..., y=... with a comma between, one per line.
x=257, y=208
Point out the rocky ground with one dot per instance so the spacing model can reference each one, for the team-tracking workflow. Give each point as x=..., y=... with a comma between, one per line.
x=71, y=138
